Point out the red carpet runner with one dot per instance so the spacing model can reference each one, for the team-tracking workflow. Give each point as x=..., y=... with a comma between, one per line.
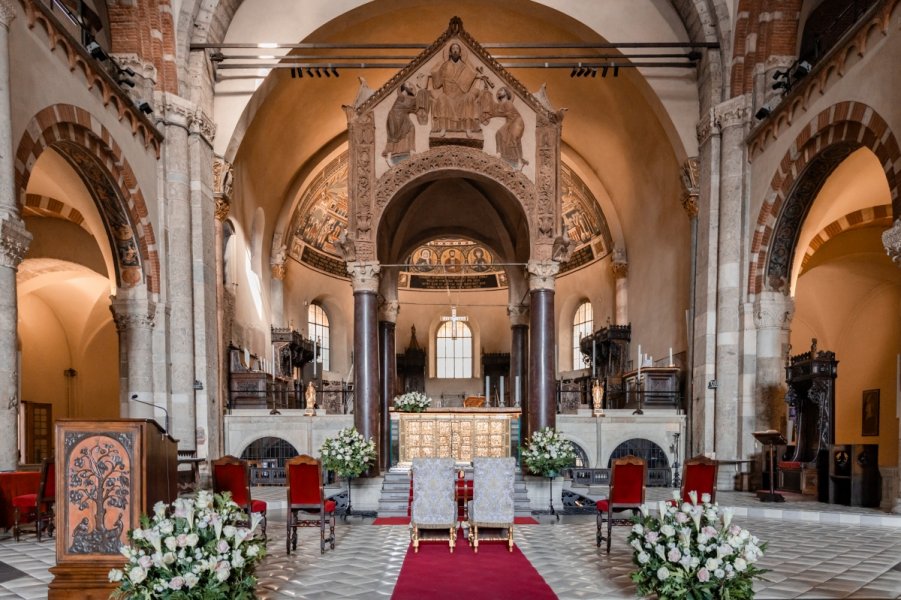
x=492, y=574
x=406, y=521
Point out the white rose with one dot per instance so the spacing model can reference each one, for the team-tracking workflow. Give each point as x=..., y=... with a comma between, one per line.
x=705, y=497
x=137, y=575
x=712, y=564
x=191, y=580
x=740, y=564
x=662, y=573
x=643, y=557
x=253, y=550
x=177, y=583
x=137, y=534
x=222, y=573
x=192, y=539
x=637, y=528
x=159, y=509
x=115, y=575
x=171, y=543
x=719, y=573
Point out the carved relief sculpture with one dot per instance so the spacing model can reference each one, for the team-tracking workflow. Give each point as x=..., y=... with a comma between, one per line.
x=401, y=133
x=457, y=99
x=509, y=136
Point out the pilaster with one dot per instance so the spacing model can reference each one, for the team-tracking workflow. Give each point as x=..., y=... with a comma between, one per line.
x=134, y=316
x=620, y=269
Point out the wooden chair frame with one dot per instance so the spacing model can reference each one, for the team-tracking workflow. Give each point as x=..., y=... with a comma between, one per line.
x=317, y=511
x=40, y=517
x=233, y=460
x=699, y=460
x=620, y=506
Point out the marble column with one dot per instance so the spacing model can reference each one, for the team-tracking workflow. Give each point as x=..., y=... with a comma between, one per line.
x=620, y=269
x=891, y=240
x=222, y=188
x=388, y=376
x=519, y=350
x=134, y=314
x=364, y=277
x=542, y=351
x=175, y=120
x=14, y=241
x=732, y=118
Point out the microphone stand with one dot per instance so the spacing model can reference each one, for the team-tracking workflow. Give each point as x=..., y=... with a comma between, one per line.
x=134, y=398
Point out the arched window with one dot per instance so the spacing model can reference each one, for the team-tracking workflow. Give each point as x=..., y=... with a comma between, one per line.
x=583, y=322
x=453, y=349
x=317, y=329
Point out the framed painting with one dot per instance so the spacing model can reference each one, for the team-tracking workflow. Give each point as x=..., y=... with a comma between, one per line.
x=870, y=421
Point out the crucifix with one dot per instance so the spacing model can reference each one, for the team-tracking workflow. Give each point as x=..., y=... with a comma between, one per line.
x=454, y=319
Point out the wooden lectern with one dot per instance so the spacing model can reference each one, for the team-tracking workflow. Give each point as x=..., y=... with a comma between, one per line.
x=770, y=438
x=108, y=473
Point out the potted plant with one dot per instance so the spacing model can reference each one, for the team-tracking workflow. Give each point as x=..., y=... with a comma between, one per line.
x=693, y=550
x=413, y=402
x=197, y=548
x=349, y=455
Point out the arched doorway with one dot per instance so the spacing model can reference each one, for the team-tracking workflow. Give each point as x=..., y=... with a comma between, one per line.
x=267, y=457
x=659, y=472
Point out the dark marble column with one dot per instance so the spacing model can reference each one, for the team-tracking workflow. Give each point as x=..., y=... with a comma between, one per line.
x=365, y=282
x=542, y=373
x=519, y=349
x=388, y=376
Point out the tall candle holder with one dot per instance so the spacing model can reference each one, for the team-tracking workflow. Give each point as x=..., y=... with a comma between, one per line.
x=639, y=386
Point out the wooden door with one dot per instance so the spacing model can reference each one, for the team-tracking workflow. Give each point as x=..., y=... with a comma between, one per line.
x=38, y=431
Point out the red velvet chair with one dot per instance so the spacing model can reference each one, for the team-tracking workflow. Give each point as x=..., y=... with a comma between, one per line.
x=307, y=506
x=627, y=489
x=699, y=475
x=232, y=475
x=39, y=506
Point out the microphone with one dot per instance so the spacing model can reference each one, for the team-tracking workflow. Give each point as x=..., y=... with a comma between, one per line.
x=134, y=398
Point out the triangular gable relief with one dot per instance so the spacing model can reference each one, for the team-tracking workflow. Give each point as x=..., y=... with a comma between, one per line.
x=455, y=93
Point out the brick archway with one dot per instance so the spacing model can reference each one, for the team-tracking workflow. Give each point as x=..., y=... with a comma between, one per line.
x=91, y=150
x=823, y=143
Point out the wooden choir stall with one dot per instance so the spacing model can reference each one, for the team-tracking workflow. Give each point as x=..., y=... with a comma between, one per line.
x=108, y=473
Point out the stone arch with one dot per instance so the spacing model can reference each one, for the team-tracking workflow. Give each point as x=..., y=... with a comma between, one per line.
x=819, y=147
x=457, y=161
x=880, y=215
x=45, y=206
x=94, y=154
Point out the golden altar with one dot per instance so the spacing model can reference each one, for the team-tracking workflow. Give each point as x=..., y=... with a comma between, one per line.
x=461, y=433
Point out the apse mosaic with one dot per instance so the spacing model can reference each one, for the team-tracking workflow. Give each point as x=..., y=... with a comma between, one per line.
x=321, y=217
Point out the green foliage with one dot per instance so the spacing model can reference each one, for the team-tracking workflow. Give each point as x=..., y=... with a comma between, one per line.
x=412, y=402
x=546, y=452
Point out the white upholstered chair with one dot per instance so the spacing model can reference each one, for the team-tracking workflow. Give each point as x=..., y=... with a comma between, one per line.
x=492, y=498
x=434, y=504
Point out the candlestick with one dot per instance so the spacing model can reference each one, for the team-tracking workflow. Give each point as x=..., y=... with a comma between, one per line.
x=670, y=356
x=487, y=390
x=516, y=397
x=501, y=401
x=639, y=360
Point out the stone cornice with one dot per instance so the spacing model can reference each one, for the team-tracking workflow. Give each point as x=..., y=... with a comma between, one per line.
x=14, y=240
x=94, y=74
x=364, y=276
x=831, y=68
x=891, y=240
x=7, y=13
x=542, y=274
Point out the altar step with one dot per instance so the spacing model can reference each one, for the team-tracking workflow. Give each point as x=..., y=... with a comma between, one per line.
x=396, y=494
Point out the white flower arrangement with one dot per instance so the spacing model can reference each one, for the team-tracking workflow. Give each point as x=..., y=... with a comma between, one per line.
x=412, y=402
x=349, y=454
x=693, y=550
x=546, y=452
x=199, y=548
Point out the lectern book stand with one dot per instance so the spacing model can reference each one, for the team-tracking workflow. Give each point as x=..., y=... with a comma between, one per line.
x=771, y=438
x=108, y=473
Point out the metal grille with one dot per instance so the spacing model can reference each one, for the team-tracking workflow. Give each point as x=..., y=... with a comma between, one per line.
x=267, y=458
x=646, y=449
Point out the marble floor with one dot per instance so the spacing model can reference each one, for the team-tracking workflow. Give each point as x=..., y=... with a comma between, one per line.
x=807, y=559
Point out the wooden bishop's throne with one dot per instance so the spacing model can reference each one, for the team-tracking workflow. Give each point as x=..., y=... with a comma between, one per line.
x=811, y=403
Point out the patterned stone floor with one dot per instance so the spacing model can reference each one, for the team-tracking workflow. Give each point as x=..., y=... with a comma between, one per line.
x=807, y=560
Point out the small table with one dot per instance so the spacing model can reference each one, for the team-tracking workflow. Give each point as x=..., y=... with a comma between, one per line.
x=770, y=438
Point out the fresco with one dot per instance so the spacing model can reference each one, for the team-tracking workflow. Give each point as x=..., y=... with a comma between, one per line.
x=321, y=217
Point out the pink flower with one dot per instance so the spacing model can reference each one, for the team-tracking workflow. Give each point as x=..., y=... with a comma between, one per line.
x=703, y=575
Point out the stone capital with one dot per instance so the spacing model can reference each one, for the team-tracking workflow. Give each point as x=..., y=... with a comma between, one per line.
x=364, y=276
x=691, y=186
x=222, y=208
x=542, y=274
x=14, y=239
x=388, y=310
x=180, y=112
x=773, y=310
x=278, y=271
x=891, y=240
x=132, y=313
x=7, y=13
x=707, y=127
x=734, y=112
x=519, y=314
x=222, y=179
